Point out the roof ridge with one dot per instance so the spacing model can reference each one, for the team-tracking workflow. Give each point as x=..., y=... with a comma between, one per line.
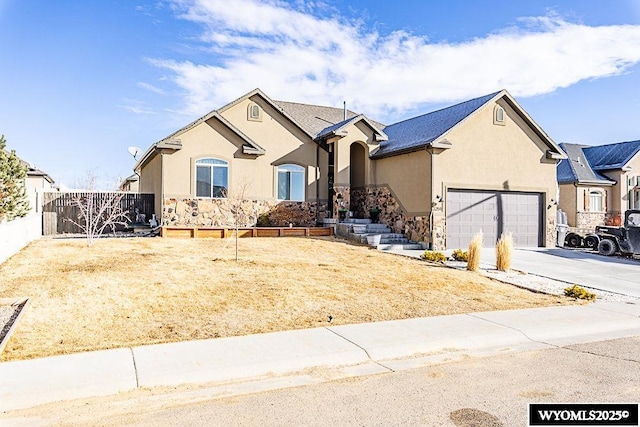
x=316, y=105
x=612, y=143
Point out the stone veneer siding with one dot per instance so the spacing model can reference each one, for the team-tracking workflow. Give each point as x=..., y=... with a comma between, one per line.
x=590, y=220
x=219, y=213
x=416, y=228
x=341, y=199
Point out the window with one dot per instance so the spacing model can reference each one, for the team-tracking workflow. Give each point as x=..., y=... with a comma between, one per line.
x=254, y=113
x=498, y=115
x=634, y=199
x=595, y=201
x=291, y=182
x=212, y=178
x=632, y=192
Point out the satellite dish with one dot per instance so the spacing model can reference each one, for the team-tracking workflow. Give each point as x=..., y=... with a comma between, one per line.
x=134, y=151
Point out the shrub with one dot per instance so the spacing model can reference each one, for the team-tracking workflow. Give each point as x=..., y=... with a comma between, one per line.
x=504, y=251
x=460, y=255
x=263, y=220
x=475, y=249
x=576, y=291
x=434, y=256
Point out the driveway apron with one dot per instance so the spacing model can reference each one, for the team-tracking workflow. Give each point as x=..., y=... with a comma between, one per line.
x=595, y=271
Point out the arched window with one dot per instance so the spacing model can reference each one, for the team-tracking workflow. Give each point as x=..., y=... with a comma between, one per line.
x=291, y=182
x=212, y=178
x=498, y=115
x=595, y=201
x=254, y=113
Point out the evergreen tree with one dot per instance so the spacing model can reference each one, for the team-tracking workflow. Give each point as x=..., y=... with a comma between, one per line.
x=13, y=193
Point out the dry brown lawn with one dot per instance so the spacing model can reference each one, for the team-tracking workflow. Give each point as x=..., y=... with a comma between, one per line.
x=129, y=292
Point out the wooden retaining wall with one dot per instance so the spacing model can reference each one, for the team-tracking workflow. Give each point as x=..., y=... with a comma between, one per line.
x=222, y=233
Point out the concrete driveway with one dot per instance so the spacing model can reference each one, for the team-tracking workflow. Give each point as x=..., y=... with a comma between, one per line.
x=583, y=268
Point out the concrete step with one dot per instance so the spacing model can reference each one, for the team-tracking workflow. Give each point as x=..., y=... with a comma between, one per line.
x=390, y=235
x=401, y=246
x=377, y=226
x=395, y=241
x=357, y=221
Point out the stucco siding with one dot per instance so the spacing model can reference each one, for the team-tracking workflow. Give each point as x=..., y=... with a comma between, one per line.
x=254, y=176
x=151, y=181
x=568, y=202
x=359, y=135
x=507, y=157
x=408, y=176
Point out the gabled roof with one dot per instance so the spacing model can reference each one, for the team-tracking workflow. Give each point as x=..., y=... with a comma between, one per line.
x=315, y=119
x=611, y=156
x=423, y=131
x=576, y=168
x=172, y=141
x=34, y=171
x=340, y=129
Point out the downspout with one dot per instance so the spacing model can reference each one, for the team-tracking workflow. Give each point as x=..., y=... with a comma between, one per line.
x=161, y=186
x=431, y=201
x=317, y=184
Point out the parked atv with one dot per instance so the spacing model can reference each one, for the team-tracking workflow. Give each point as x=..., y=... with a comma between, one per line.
x=624, y=239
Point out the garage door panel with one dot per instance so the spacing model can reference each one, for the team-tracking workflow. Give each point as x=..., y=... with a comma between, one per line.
x=468, y=213
x=493, y=212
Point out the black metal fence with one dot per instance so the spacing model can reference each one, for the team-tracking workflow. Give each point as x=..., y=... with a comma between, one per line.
x=60, y=209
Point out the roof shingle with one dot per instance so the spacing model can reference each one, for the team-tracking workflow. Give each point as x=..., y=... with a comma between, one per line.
x=416, y=133
x=576, y=168
x=611, y=156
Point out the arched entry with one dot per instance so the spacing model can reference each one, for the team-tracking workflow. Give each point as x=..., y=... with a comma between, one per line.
x=356, y=166
x=357, y=196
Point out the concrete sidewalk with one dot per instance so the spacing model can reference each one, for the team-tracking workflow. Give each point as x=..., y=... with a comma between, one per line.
x=349, y=350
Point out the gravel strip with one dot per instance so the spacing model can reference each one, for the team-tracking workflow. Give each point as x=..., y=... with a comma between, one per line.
x=539, y=283
x=8, y=314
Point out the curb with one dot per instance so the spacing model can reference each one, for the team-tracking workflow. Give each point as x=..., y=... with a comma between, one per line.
x=361, y=349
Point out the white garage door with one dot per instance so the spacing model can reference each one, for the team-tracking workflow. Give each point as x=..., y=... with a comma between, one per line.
x=493, y=212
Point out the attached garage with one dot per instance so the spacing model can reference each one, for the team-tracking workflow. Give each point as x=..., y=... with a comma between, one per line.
x=495, y=213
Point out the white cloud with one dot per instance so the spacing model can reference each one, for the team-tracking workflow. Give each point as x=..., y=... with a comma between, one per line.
x=296, y=55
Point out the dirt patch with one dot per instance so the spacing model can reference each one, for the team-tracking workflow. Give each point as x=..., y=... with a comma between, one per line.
x=128, y=292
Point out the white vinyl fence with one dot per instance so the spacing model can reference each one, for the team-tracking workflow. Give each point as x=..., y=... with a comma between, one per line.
x=16, y=234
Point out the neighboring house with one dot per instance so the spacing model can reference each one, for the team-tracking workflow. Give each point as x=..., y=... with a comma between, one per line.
x=36, y=182
x=130, y=183
x=598, y=183
x=483, y=165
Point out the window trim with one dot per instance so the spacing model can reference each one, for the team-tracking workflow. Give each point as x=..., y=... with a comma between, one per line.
x=602, y=202
x=499, y=115
x=302, y=170
x=250, y=110
x=211, y=167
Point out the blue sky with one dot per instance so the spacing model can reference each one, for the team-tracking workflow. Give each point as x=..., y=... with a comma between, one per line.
x=80, y=81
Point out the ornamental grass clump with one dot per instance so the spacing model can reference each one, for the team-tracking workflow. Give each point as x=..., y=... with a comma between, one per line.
x=460, y=255
x=434, y=256
x=475, y=249
x=504, y=252
x=578, y=292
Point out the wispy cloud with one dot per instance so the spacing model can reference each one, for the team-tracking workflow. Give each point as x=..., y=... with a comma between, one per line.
x=298, y=53
x=136, y=107
x=151, y=88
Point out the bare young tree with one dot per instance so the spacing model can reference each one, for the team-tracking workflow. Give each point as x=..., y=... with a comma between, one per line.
x=238, y=204
x=98, y=211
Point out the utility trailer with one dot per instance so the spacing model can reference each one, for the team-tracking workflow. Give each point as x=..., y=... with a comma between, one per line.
x=581, y=238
